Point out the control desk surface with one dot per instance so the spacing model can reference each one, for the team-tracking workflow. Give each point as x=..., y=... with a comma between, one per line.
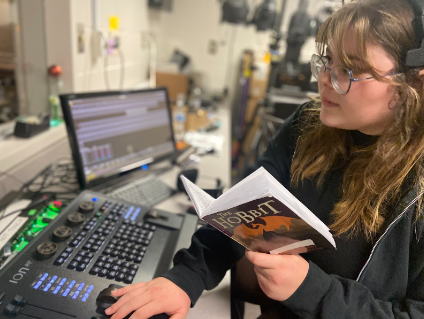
x=96, y=243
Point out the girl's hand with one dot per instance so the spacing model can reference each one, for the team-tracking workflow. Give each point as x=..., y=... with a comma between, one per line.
x=150, y=298
x=279, y=276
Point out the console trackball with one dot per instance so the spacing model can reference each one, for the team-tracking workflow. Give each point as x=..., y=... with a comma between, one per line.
x=106, y=296
x=105, y=299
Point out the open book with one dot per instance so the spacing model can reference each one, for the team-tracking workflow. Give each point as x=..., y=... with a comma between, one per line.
x=262, y=215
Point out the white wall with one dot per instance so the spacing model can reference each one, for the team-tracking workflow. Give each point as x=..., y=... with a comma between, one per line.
x=50, y=30
x=67, y=19
x=89, y=74
x=193, y=23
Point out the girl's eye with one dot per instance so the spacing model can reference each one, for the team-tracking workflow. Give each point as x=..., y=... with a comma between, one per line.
x=328, y=58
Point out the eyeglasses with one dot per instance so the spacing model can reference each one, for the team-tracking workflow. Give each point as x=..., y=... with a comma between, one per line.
x=341, y=77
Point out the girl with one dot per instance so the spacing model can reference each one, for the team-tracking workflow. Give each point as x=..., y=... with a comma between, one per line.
x=354, y=157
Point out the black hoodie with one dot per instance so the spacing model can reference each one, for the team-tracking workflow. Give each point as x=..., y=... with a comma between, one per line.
x=383, y=279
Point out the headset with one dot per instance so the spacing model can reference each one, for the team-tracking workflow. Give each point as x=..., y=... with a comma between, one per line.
x=415, y=57
x=235, y=11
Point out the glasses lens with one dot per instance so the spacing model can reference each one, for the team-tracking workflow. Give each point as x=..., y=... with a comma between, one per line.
x=340, y=78
x=316, y=66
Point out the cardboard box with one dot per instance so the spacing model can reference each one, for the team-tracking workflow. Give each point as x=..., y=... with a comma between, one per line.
x=250, y=109
x=196, y=120
x=259, y=80
x=175, y=83
x=257, y=88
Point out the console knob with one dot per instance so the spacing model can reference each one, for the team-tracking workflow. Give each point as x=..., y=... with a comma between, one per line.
x=62, y=233
x=86, y=207
x=75, y=219
x=46, y=250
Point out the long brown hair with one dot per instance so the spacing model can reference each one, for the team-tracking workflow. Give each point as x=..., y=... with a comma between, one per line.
x=375, y=174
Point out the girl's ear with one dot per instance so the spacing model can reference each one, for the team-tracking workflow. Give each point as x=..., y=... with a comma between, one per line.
x=421, y=73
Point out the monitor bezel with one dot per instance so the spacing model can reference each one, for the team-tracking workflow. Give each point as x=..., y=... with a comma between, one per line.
x=70, y=127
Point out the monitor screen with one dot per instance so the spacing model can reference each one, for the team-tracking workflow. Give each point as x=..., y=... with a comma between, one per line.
x=114, y=132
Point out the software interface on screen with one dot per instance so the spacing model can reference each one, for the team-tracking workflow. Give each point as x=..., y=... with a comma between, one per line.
x=116, y=132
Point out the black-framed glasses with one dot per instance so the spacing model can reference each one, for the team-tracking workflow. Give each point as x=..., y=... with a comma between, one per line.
x=341, y=77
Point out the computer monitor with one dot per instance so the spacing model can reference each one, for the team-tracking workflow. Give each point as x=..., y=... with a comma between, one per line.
x=112, y=133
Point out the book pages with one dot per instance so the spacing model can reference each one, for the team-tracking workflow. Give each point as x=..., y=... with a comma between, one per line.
x=253, y=187
x=199, y=197
x=299, y=244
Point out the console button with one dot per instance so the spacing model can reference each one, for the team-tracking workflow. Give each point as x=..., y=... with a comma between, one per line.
x=128, y=279
x=62, y=233
x=86, y=207
x=94, y=270
x=46, y=250
x=75, y=219
x=11, y=310
x=59, y=261
x=20, y=301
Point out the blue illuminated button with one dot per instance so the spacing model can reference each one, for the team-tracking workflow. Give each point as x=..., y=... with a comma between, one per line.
x=145, y=167
x=56, y=290
x=66, y=292
x=94, y=199
x=44, y=277
x=137, y=211
x=128, y=214
x=75, y=294
x=71, y=284
x=62, y=282
x=38, y=284
x=80, y=286
x=53, y=279
x=84, y=299
x=47, y=287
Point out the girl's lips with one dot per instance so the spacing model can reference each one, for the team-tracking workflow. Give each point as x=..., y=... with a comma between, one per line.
x=329, y=103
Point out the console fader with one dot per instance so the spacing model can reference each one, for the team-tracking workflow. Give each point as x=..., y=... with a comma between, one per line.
x=97, y=244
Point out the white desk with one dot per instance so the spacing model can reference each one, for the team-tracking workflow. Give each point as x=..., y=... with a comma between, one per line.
x=25, y=158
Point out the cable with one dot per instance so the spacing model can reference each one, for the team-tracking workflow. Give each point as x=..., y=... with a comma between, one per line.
x=4, y=210
x=59, y=175
x=105, y=72
x=13, y=177
x=121, y=73
x=152, y=59
x=39, y=201
x=122, y=77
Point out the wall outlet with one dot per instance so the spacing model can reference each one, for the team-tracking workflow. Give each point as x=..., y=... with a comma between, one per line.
x=96, y=45
x=212, y=47
x=81, y=39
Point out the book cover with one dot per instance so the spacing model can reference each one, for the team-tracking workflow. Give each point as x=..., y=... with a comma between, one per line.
x=262, y=215
x=267, y=225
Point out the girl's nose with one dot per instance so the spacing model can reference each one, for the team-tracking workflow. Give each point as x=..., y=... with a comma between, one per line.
x=325, y=77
